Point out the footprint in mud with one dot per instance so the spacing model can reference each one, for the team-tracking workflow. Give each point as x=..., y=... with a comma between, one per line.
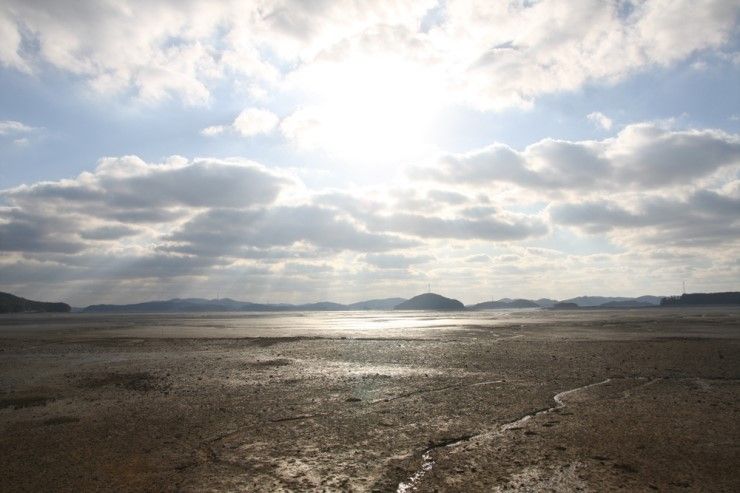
x=25, y=401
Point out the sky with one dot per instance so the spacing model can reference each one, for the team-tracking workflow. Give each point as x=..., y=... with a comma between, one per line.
x=294, y=151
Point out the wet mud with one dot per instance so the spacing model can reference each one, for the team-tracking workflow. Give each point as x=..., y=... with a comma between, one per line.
x=638, y=400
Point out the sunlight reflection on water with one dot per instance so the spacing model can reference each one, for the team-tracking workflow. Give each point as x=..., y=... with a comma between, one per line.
x=364, y=324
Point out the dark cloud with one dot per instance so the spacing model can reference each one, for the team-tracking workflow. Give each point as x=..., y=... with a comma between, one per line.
x=447, y=197
x=651, y=157
x=128, y=184
x=29, y=232
x=113, y=232
x=229, y=231
x=105, y=267
x=489, y=228
x=703, y=218
x=55, y=216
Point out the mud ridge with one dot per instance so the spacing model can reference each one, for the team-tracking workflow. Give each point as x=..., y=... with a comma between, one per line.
x=428, y=462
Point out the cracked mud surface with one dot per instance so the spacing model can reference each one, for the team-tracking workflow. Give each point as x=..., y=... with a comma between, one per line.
x=647, y=400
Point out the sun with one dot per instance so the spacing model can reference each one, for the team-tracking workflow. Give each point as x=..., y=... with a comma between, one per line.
x=379, y=110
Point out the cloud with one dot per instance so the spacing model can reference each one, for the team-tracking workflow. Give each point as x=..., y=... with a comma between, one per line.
x=129, y=183
x=304, y=269
x=703, y=218
x=214, y=130
x=491, y=228
x=22, y=231
x=487, y=55
x=12, y=127
x=396, y=261
x=306, y=129
x=10, y=47
x=250, y=122
x=600, y=119
x=228, y=232
x=544, y=47
x=641, y=156
x=447, y=196
x=104, y=268
x=255, y=121
x=56, y=216
x=481, y=258
x=108, y=233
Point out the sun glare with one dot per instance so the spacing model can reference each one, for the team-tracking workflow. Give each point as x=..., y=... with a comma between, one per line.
x=379, y=111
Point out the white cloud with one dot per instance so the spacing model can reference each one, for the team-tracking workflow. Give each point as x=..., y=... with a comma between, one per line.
x=129, y=190
x=255, y=121
x=214, y=130
x=486, y=54
x=641, y=156
x=249, y=123
x=9, y=127
x=600, y=119
x=305, y=128
x=11, y=40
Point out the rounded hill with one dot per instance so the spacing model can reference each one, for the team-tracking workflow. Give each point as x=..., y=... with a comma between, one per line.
x=430, y=301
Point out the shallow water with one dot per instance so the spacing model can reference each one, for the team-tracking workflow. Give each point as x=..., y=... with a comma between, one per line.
x=349, y=324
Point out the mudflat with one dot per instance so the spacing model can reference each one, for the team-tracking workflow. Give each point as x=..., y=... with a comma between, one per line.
x=610, y=400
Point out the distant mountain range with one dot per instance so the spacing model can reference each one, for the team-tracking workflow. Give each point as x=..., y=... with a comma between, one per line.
x=591, y=301
x=505, y=303
x=10, y=303
x=229, y=305
x=427, y=301
x=578, y=302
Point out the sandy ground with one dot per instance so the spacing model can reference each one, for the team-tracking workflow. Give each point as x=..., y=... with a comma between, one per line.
x=638, y=400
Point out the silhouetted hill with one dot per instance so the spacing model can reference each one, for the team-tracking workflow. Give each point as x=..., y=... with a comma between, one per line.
x=546, y=302
x=505, y=303
x=698, y=299
x=626, y=304
x=590, y=301
x=653, y=300
x=167, y=306
x=594, y=300
x=565, y=305
x=10, y=303
x=382, y=304
x=430, y=301
x=190, y=305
